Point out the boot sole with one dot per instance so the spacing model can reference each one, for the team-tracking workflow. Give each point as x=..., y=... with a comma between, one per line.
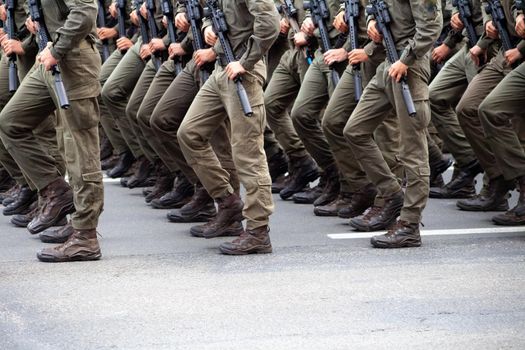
x=499, y=222
x=63, y=213
x=408, y=243
x=228, y=233
x=54, y=259
x=176, y=205
x=318, y=212
x=501, y=207
x=257, y=250
x=193, y=218
x=455, y=195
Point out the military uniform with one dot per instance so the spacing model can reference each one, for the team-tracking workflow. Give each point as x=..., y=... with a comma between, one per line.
x=72, y=26
x=380, y=97
x=253, y=27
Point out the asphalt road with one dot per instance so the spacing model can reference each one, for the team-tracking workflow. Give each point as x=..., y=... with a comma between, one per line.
x=159, y=288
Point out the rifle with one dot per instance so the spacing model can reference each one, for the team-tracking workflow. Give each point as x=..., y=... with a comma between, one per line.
x=520, y=5
x=220, y=27
x=153, y=30
x=167, y=10
x=498, y=18
x=101, y=23
x=194, y=16
x=11, y=34
x=465, y=14
x=320, y=14
x=35, y=11
x=288, y=9
x=352, y=18
x=379, y=9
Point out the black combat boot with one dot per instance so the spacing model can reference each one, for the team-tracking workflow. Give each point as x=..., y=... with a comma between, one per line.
x=461, y=185
x=57, y=236
x=278, y=165
x=23, y=201
x=141, y=175
x=515, y=216
x=401, y=235
x=6, y=181
x=332, y=187
x=201, y=208
x=256, y=241
x=343, y=201
x=379, y=218
x=179, y=195
x=10, y=195
x=361, y=201
x=309, y=195
x=163, y=183
x=125, y=162
x=437, y=168
x=229, y=216
x=305, y=171
x=494, y=198
x=106, y=148
x=109, y=163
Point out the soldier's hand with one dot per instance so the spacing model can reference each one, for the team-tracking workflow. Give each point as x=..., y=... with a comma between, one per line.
x=145, y=52
x=204, y=56
x=335, y=55
x=30, y=25
x=511, y=56
x=398, y=70
x=340, y=23
x=373, y=33
x=477, y=54
x=3, y=13
x=520, y=25
x=112, y=9
x=491, y=30
x=164, y=21
x=13, y=46
x=107, y=33
x=47, y=59
x=176, y=50
x=456, y=23
x=357, y=56
x=181, y=22
x=308, y=27
x=284, y=26
x=440, y=53
x=209, y=36
x=234, y=69
x=144, y=11
x=156, y=44
x=3, y=36
x=134, y=18
x=124, y=44
x=300, y=39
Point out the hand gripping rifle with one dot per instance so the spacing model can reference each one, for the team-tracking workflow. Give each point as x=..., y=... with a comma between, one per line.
x=37, y=17
x=11, y=34
x=465, y=14
x=101, y=23
x=379, y=9
x=320, y=14
x=352, y=18
x=121, y=18
x=194, y=16
x=153, y=30
x=495, y=9
x=220, y=27
x=167, y=10
x=289, y=11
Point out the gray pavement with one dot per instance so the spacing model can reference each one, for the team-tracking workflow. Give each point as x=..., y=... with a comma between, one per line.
x=159, y=288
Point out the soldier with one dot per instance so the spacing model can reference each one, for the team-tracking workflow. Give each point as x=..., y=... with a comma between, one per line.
x=445, y=92
x=496, y=111
x=72, y=29
x=495, y=196
x=253, y=27
x=415, y=27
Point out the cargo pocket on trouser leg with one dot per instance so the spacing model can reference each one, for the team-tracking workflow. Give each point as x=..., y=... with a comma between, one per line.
x=89, y=200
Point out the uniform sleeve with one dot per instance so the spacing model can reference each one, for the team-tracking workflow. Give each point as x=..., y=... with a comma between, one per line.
x=265, y=31
x=429, y=22
x=78, y=25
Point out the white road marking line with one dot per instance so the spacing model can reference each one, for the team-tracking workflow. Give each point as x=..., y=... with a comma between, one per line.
x=461, y=231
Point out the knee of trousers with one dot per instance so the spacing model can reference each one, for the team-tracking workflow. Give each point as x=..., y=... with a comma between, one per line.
x=188, y=138
x=332, y=126
x=7, y=127
x=112, y=93
x=354, y=136
x=302, y=120
x=490, y=118
x=143, y=119
x=467, y=114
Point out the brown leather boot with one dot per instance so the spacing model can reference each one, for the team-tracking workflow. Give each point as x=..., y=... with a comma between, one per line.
x=256, y=241
x=342, y=201
x=140, y=176
x=332, y=187
x=493, y=198
x=57, y=202
x=163, y=183
x=57, y=236
x=82, y=245
x=361, y=201
x=201, y=208
x=278, y=165
x=180, y=194
x=515, y=216
x=230, y=212
x=379, y=218
x=401, y=235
